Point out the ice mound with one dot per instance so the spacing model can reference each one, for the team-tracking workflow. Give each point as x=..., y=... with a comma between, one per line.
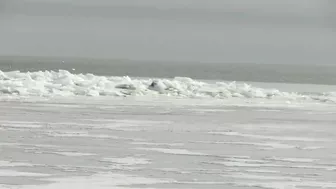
x=63, y=83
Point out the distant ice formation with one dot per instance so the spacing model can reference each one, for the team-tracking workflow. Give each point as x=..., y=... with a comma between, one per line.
x=64, y=83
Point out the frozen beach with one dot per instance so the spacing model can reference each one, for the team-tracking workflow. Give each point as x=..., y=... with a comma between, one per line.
x=166, y=142
x=167, y=94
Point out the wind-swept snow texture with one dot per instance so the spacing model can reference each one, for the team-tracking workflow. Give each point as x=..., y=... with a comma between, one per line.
x=183, y=143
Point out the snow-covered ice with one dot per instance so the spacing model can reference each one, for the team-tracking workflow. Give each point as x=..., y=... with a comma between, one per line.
x=174, y=151
x=128, y=161
x=64, y=83
x=166, y=142
x=13, y=173
x=75, y=154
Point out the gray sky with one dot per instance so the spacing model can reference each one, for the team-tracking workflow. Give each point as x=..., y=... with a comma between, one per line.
x=266, y=31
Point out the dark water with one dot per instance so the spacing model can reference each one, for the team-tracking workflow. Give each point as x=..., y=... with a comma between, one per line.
x=307, y=73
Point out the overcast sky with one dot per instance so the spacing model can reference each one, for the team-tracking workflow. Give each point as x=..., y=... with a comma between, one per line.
x=266, y=31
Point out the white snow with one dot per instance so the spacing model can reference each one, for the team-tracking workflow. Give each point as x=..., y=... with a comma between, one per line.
x=128, y=161
x=20, y=124
x=13, y=173
x=175, y=170
x=74, y=154
x=157, y=144
x=270, y=137
x=243, y=164
x=76, y=134
x=98, y=181
x=286, y=184
x=268, y=145
x=243, y=176
x=261, y=171
x=173, y=151
x=14, y=164
x=294, y=160
x=80, y=145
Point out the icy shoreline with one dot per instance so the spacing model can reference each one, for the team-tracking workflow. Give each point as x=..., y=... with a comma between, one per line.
x=66, y=84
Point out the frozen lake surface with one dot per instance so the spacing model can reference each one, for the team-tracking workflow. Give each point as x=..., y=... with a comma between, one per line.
x=166, y=143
